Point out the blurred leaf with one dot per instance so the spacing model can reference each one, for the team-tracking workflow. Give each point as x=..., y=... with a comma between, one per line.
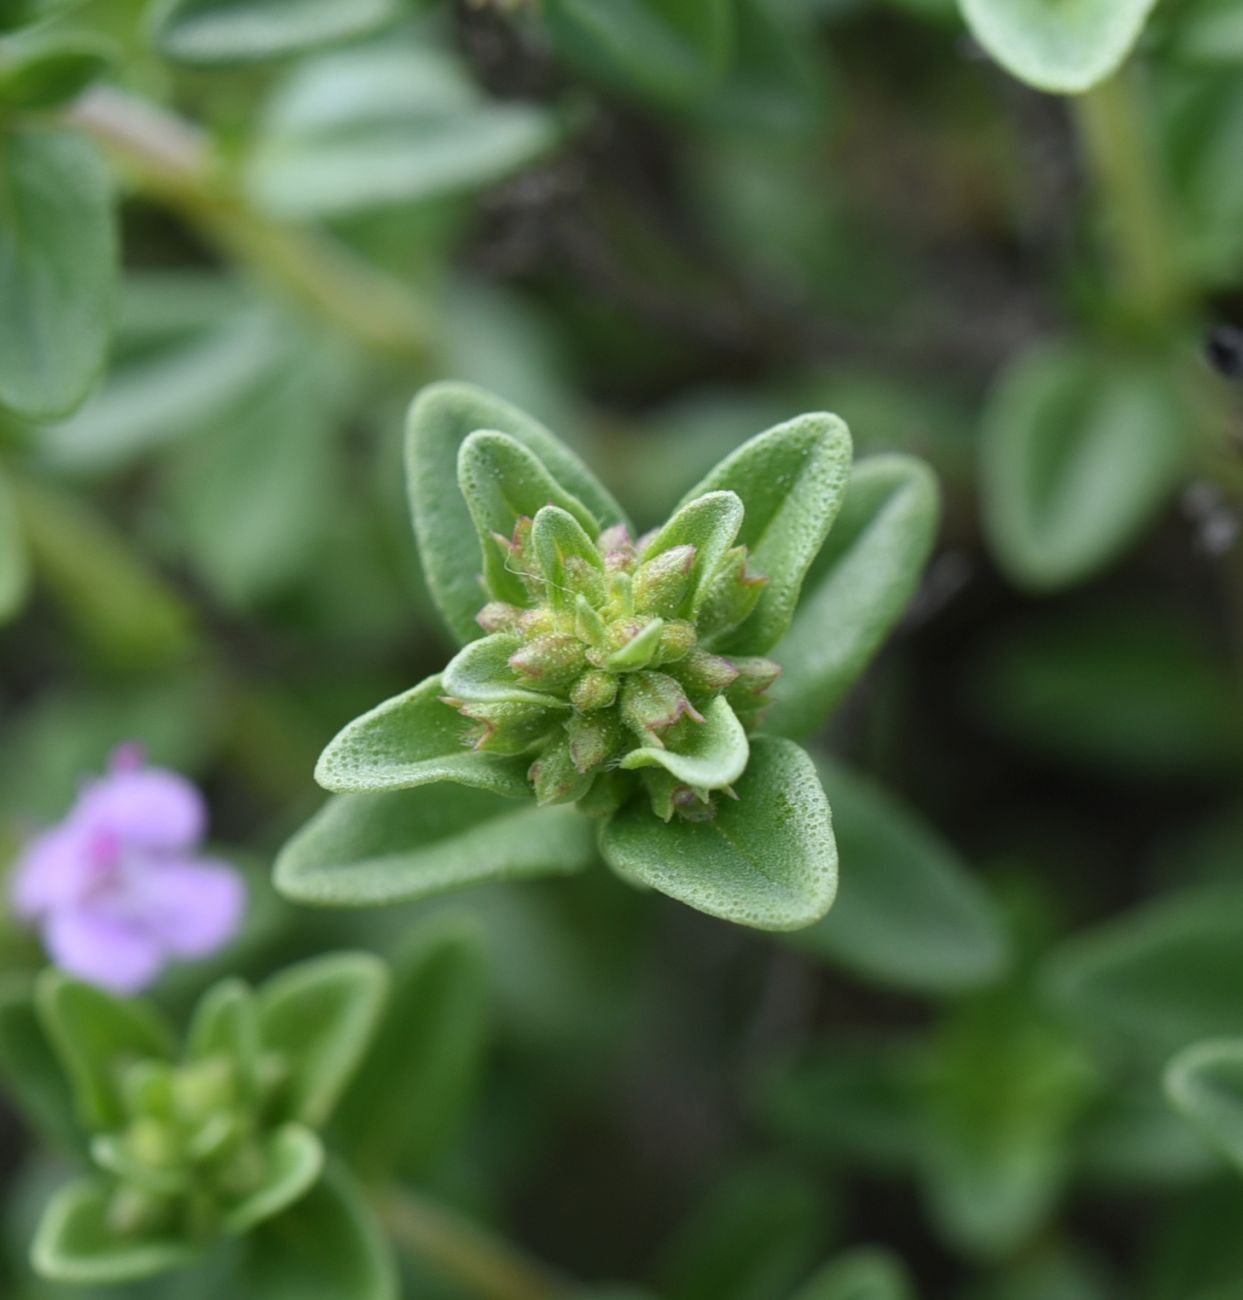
x=411, y=740
x=226, y=1022
x=14, y=570
x=238, y=31
x=791, y=480
x=857, y=589
x=122, y=610
x=1064, y=46
x=43, y=72
x=389, y=124
x=1132, y=1139
x=1160, y=976
x=909, y=911
x=21, y=13
x=1204, y=1082
x=184, y=387
x=32, y=1076
x=864, y=1273
x=766, y=859
x=292, y=1161
x=78, y=1242
x=58, y=260
x=407, y=1102
x=441, y=418
x=319, y=1017
x=667, y=50
x=1209, y=31
x=95, y=1035
x=1120, y=688
x=752, y=1237
x=1078, y=451
x=325, y=1247
x=366, y=849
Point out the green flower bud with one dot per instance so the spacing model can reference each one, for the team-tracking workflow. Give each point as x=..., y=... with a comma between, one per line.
x=593, y=737
x=651, y=703
x=702, y=673
x=503, y=726
x=662, y=585
x=497, y=616
x=550, y=661
x=634, y=644
x=555, y=776
x=594, y=690
x=676, y=640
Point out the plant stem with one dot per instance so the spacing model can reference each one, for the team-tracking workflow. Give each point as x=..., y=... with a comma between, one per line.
x=1119, y=153
x=429, y=1233
x=172, y=161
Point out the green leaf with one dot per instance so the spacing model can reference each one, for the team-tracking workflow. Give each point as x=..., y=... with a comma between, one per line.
x=365, y=849
x=767, y=859
x=556, y=536
x=14, y=569
x=77, y=1242
x=319, y=1018
x=390, y=124
x=502, y=482
x=95, y=1036
x=58, y=266
x=1209, y=31
x=712, y=754
x=908, y=910
x=791, y=481
x=861, y=1274
x=226, y=1023
x=668, y=50
x=1063, y=46
x=441, y=418
x=480, y=673
x=407, y=1102
x=1204, y=1082
x=240, y=31
x=709, y=521
x=856, y=591
x=293, y=1160
x=31, y=1074
x=42, y=72
x=1160, y=976
x=327, y=1246
x=756, y=1232
x=412, y=740
x=1078, y=451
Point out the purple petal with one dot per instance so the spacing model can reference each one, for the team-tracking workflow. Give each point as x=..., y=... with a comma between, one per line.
x=56, y=869
x=103, y=949
x=152, y=808
x=191, y=908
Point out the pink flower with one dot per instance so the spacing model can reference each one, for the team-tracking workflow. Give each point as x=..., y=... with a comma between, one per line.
x=118, y=889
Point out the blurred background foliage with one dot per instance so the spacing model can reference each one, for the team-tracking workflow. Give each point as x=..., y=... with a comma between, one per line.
x=236, y=237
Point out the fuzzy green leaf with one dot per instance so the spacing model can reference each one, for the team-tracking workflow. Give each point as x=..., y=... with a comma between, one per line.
x=1064, y=46
x=908, y=911
x=1078, y=451
x=293, y=1160
x=407, y=1101
x=31, y=1074
x=43, y=72
x=58, y=269
x=767, y=859
x=712, y=754
x=558, y=537
x=791, y=481
x=668, y=50
x=95, y=1036
x=76, y=1241
x=367, y=849
x=709, y=522
x=226, y=1023
x=319, y=1018
x=861, y=1274
x=14, y=569
x=441, y=418
x=480, y=673
x=414, y=739
x=1204, y=1082
x=240, y=31
x=856, y=590
x=327, y=1246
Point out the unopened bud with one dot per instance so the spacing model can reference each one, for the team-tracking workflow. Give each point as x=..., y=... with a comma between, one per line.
x=663, y=584
x=706, y=674
x=504, y=727
x=550, y=661
x=652, y=702
x=755, y=675
x=594, y=738
x=594, y=690
x=498, y=616
x=555, y=777
x=633, y=644
x=616, y=547
x=677, y=639
x=730, y=596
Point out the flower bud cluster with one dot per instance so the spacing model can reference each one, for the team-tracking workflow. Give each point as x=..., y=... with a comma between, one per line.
x=610, y=653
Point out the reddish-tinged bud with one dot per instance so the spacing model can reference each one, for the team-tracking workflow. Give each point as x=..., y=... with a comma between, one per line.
x=731, y=594
x=652, y=702
x=497, y=616
x=594, y=738
x=706, y=674
x=583, y=579
x=519, y=556
x=663, y=584
x=535, y=622
x=616, y=547
x=503, y=726
x=550, y=661
x=676, y=640
x=554, y=776
x=755, y=675
x=594, y=690
x=632, y=642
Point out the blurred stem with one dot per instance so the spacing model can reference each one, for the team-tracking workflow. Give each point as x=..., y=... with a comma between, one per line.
x=429, y=1233
x=171, y=160
x=1114, y=130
